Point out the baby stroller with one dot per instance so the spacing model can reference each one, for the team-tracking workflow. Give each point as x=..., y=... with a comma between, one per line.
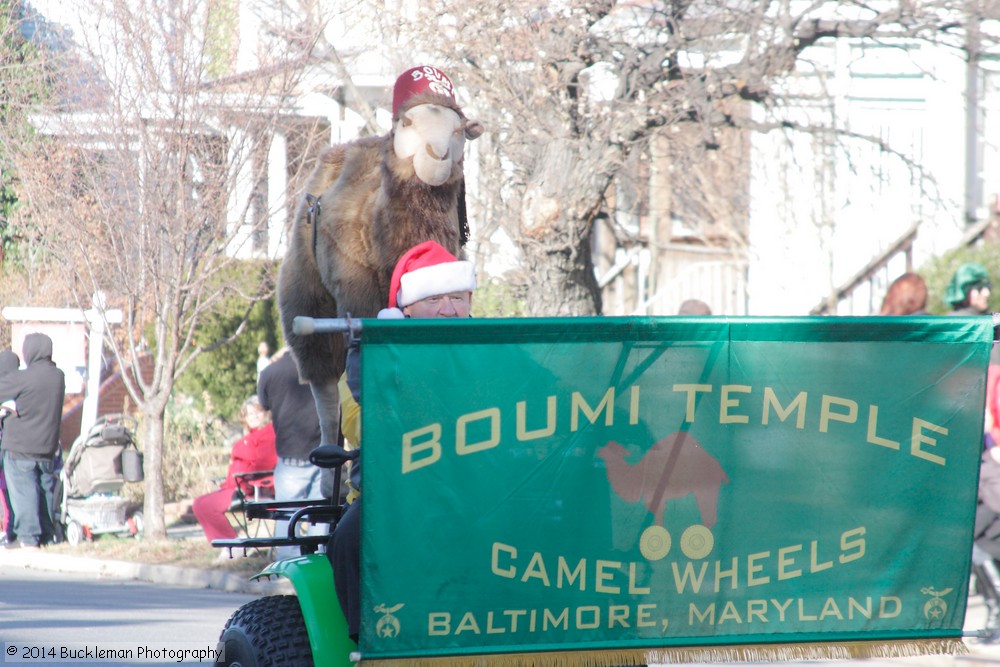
x=98, y=466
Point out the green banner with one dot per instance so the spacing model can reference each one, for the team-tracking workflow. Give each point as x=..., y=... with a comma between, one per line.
x=616, y=484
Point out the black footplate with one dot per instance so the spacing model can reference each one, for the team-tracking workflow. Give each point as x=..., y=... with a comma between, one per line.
x=307, y=544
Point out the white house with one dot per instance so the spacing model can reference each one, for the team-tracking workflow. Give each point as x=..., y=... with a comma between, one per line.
x=821, y=210
x=919, y=168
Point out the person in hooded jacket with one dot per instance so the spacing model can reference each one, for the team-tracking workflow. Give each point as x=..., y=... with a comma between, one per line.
x=31, y=440
x=8, y=364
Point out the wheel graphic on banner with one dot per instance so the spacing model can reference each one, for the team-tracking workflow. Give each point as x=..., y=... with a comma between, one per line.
x=654, y=543
x=697, y=542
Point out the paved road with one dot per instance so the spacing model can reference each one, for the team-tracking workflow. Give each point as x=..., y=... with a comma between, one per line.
x=60, y=610
x=53, y=609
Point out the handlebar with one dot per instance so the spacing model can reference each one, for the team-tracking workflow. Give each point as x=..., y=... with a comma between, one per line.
x=306, y=326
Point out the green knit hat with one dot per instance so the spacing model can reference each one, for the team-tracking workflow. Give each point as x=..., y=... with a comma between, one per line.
x=968, y=276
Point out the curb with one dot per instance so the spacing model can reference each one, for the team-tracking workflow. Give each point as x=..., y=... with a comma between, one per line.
x=170, y=575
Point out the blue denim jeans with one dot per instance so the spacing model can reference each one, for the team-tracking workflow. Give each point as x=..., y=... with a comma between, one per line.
x=297, y=481
x=31, y=485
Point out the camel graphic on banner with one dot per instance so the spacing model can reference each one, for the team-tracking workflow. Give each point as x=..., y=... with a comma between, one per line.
x=675, y=467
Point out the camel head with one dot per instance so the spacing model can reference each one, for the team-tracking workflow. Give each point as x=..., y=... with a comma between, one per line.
x=612, y=452
x=434, y=136
x=429, y=126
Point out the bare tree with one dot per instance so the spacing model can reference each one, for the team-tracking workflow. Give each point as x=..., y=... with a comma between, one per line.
x=24, y=80
x=583, y=99
x=147, y=181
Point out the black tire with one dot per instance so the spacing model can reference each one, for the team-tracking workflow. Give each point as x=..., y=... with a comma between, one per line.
x=267, y=632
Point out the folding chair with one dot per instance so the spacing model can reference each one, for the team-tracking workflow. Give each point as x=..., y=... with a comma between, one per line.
x=252, y=487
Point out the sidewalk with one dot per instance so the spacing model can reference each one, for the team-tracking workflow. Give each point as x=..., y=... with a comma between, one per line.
x=169, y=575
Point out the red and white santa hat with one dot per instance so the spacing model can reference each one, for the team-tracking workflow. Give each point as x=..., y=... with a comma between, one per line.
x=419, y=80
x=425, y=270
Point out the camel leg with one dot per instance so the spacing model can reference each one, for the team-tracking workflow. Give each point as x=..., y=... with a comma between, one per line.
x=707, y=499
x=659, y=513
x=327, y=397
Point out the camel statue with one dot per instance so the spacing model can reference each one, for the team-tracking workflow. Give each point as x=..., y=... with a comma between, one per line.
x=365, y=204
x=675, y=467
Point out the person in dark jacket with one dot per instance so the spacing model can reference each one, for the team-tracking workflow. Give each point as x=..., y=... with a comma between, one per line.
x=8, y=364
x=296, y=433
x=31, y=440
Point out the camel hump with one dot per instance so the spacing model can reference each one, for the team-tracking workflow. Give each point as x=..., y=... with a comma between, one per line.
x=683, y=448
x=327, y=169
x=345, y=160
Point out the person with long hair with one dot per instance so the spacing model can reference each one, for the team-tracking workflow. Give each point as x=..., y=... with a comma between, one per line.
x=254, y=452
x=907, y=295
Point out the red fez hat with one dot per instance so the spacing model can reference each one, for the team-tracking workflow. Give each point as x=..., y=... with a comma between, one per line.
x=416, y=80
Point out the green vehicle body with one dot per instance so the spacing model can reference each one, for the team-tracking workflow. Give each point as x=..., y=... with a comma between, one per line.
x=312, y=578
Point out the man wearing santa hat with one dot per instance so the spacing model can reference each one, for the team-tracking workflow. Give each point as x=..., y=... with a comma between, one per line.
x=428, y=281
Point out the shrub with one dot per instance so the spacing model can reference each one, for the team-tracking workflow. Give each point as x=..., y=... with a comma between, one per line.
x=498, y=299
x=227, y=374
x=196, y=449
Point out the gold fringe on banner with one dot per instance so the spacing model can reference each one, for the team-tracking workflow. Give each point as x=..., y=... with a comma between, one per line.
x=683, y=654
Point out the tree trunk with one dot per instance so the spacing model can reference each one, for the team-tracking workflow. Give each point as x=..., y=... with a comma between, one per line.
x=561, y=275
x=556, y=233
x=154, y=524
